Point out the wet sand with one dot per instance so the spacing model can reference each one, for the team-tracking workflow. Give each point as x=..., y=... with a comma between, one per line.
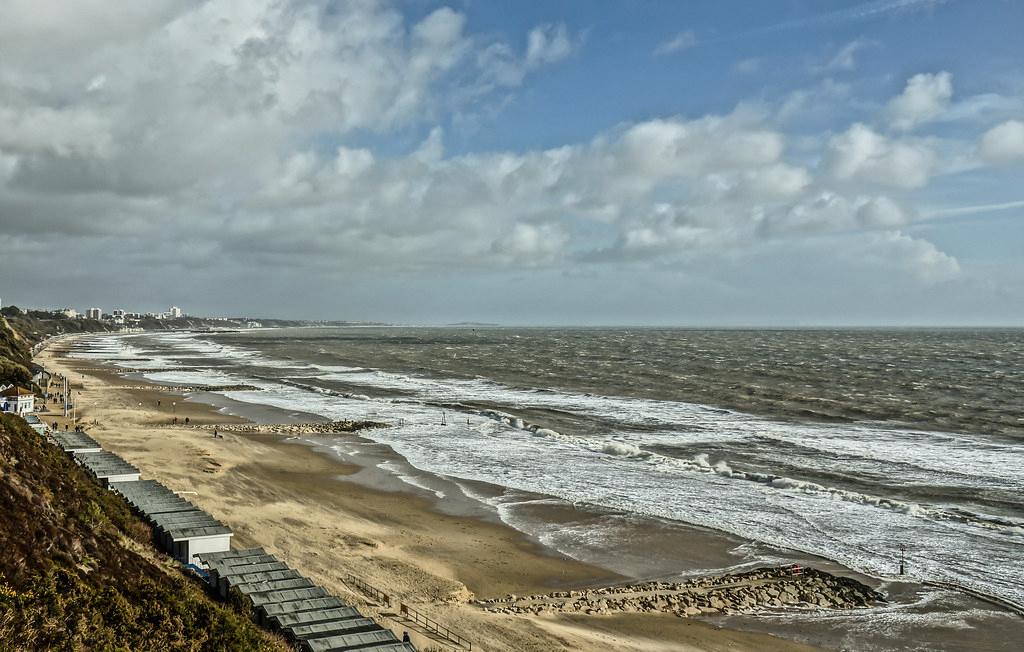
x=328, y=518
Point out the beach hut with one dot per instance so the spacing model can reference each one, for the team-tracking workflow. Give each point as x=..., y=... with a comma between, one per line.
x=107, y=467
x=35, y=424
x=207, y=558
x=358, y=641
x=261, y=585
x=268, y=613
x=286, y=595
x=286, y=620
x=331, y=628
x=180, y=528
x=76, y=442
x=187, y=542
x=223, y=577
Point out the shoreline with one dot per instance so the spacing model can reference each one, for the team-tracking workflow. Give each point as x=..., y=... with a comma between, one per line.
x=307, y=508
x=382, y=491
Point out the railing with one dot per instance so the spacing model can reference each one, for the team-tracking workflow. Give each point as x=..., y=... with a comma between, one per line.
x=383, y=598
x=432, y=625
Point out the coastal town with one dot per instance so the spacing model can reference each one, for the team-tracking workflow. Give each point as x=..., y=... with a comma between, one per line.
x=127, y=320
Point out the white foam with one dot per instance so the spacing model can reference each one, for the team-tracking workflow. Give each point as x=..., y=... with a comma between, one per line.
x=620, y=471
x=399, y=472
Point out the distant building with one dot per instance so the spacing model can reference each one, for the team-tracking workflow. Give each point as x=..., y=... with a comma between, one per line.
x=17, y=400
x=94, y=313
x=175, y=312
x=253, y=324
x=118, y=313
x=70, y=313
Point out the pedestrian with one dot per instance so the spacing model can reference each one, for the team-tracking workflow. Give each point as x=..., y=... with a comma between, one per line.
x=158, y=403
x=186, y=421
x=215, y=435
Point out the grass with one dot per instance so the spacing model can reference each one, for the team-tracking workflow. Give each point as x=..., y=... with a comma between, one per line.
x=69, y=579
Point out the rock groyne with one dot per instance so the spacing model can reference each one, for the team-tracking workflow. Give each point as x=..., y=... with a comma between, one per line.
x=293, y=429
x=188, y=389
x=749, y=592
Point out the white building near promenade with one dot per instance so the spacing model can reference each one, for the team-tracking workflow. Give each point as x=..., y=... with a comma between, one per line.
x=17, y=400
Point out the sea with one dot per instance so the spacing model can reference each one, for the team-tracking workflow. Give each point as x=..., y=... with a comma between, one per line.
x=863, y=447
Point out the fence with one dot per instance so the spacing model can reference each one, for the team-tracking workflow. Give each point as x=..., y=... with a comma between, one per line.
x=432, y=625
x=383, y=598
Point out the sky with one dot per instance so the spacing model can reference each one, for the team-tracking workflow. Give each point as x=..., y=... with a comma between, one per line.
x=787, y=163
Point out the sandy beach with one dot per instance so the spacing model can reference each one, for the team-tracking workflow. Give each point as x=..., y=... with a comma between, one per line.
x=298, y=504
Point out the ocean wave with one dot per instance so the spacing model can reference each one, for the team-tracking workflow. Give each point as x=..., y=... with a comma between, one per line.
x=617, y=469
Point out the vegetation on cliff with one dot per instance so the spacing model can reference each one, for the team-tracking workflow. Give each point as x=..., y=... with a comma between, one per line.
x=73, y=573
x=14, y=356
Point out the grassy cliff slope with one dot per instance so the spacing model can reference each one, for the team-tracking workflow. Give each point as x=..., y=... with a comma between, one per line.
x=14, y=357
x=70, y=576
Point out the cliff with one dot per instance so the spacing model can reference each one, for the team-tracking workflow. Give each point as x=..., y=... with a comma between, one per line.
x=77, y=570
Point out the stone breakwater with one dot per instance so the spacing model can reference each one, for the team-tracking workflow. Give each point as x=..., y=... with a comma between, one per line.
x=186, y=389
x=715, y=595
x=292, y=429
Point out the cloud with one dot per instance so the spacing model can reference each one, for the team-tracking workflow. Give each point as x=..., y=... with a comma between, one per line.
x=864, y=11
x=924, y=98
x=1003, y=143
x=747, y=66
x=531, y=244
x=830, y=212
x=547, y=44
x=861, y=154
x=907, y=254
x=846, y=58
x=500, y=66
x=61, y=131
x=283, y=140
x=975, y=209
x=682, y=41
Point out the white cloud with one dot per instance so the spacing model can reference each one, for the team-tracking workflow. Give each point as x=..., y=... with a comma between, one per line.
x=1003, y=143
x=828, y=211
x=912, y=255
x=777, y=180
x=682, y=41
x=924, y=98
x=845, y=59
x=747, y=66
x=547, y=44
x=64, y=131
x=531, y=244
x=240, y=130
x=861, y=154
x=672, y=147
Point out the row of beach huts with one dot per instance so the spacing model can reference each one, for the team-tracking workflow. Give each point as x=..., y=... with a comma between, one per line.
x=280, y=597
